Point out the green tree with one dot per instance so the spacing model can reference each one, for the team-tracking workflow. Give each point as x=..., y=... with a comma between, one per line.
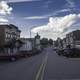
x=50, y=42
x=44, y=42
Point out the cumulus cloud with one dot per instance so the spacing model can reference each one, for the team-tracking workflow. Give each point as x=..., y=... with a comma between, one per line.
x=3, y=21
x=5, y=8
x=56, y=26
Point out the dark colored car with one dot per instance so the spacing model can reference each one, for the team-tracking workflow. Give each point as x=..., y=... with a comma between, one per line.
x=60, y=52
x=73, y=52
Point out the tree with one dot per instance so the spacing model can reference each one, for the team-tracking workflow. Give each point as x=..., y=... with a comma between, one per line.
x=56, y=43
x=50, y=41
x=44, y=42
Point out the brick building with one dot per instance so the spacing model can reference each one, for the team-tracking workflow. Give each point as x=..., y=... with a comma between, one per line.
x=8, y=32
x=9, y=38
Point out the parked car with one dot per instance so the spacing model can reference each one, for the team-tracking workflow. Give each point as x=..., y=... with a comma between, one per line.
x=66, y=52
x=72, y=52
x=60, y=51
x=55, y=48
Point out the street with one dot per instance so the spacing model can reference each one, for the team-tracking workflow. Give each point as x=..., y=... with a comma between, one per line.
x=61, y=68
x=45, y=66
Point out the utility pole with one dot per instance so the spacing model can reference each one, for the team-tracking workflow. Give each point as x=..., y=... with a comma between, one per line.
x=30, y=32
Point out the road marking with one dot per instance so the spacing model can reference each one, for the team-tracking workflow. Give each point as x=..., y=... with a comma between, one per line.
x=46, y=58
x=41, y=70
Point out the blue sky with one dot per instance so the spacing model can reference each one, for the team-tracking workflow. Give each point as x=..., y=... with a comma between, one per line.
x=42, y=16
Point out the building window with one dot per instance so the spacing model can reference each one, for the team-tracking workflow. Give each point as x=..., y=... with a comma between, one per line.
x=11, y=36
x=8, y=35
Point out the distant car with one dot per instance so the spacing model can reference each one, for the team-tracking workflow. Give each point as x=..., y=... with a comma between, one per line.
x=67, y=52
x=60, y=51
x=64, y=52
x=55, y=48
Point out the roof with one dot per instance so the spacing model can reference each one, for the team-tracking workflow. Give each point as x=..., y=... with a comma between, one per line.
x=13, y=26
x=73, y=32
x=10, y=26
x=27, y=39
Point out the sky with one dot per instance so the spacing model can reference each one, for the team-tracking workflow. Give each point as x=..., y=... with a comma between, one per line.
x=49, y=18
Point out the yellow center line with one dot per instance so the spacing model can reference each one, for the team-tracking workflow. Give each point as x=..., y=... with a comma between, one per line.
x=46, y=58
x=41, y=70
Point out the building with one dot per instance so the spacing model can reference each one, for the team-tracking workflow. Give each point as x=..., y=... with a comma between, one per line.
x=37, y=42
x=64, y=43
x=31, y=43
x=59, y=42
x=73, y=38
x=28, y=44
x=9, y=38
x=8, y=32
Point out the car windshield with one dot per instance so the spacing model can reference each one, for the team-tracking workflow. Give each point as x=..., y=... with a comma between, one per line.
x=39, y=39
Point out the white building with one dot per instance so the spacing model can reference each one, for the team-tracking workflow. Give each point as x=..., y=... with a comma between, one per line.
x=31, y=43
x=27, y=46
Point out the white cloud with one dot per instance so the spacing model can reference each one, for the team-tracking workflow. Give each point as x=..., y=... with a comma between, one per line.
x=5, y=8
x=36, y=17
x=61, y=11
x=13, y=1
x=56, y=26
x=70, y=3
x=64, y=10
x=3, y=21
x=46, y=16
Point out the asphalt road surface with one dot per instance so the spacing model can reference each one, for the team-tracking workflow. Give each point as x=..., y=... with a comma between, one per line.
x=45, y=66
